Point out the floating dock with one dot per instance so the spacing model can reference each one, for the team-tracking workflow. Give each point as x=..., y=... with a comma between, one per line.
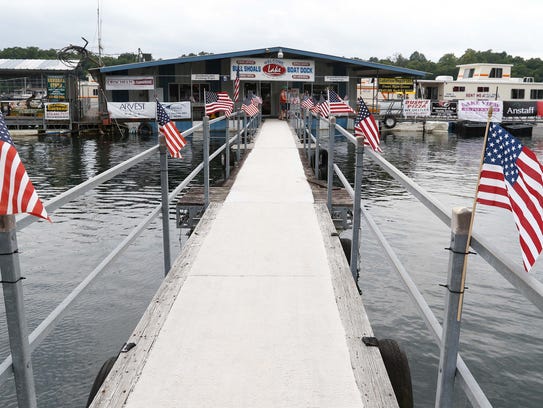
x=260, y=308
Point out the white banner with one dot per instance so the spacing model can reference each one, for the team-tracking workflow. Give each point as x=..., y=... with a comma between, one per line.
x=477, y=111
x=57, y=111
x=132, y=110
x=331, y=78
x=272, y=69
x=129, y=82
x=147, y=110
x=416, y=107
x=177, y=110
x=205, y=77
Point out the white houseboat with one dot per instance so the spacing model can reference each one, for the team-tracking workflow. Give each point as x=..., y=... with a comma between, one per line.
x=482, y=81
x=522, y=98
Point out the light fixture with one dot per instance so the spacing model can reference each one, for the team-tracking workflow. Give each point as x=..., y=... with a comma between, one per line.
x=280, y=53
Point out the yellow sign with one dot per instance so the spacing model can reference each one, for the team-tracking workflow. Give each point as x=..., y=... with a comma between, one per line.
x=396, y=85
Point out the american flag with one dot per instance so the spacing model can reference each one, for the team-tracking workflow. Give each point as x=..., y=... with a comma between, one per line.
x=18, y=194
x=323, y=108
x=236, y=86
x=174, y=139
x=307, y=102
x=256, y=100
x=366, y=127
x=337, y=105
x=512, y=178
x=249, y=107
x=218, y=102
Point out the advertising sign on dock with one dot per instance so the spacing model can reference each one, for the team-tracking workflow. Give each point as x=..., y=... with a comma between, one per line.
x=273, y=69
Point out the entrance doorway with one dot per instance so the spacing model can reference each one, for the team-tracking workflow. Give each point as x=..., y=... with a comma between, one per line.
x=265, y=94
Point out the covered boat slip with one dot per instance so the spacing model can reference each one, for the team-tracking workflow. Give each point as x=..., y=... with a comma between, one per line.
x=259, y=310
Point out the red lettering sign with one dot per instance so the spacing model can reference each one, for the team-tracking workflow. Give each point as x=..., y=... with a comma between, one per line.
x=274, y=70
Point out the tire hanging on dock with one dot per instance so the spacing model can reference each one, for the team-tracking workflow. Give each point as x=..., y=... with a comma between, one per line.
x=398, y=371
x=100, y=377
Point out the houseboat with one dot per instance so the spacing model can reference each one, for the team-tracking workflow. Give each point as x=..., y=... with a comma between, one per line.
x=521, y=98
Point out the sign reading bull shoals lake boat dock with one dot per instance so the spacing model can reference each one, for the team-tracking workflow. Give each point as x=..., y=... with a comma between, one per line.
x=273, y=69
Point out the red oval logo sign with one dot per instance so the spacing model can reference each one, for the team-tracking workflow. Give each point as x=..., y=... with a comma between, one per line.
x=274, y=70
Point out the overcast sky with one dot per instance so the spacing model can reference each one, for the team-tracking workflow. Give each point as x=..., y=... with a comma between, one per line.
x=357, y=28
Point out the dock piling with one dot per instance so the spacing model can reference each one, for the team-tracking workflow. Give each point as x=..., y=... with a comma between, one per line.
x=451, y=325
x=357, y=211
x=164, y=190
x=330, y=164
x=12, y=286
x=206, y=160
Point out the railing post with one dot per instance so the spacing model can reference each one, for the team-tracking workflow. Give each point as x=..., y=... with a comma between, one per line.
x=357, y=211
x=238, y=131
x=317, y=141
x=12, y=286
x=304, y=129
x=460, y=222
x=330, y=171
x=206, y=160
x=164, y=190
x=245, y=133
x=227, y=148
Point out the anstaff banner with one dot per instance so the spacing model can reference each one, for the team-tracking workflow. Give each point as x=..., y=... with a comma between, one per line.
x=477, y=111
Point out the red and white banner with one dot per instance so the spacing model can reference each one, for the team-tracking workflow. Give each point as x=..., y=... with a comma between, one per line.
x=477, y=111
x=416, y=107
x=114, y=83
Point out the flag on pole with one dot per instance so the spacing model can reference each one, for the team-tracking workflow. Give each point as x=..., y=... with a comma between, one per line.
x=174, y=139
x=323, y=108
x=236, y=86
x=17, y=193
x=512, y=178
x=307, y=102
x=337, y=105
x=366, y=127
x=249, y=107
x=218, y=102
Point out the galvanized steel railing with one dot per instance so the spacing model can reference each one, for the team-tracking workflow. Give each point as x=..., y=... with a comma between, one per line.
x=531, y=288
x=21, y=344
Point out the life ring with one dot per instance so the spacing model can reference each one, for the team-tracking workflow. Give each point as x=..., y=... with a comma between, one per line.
x=398, y=371
x=100, y=377
x=389, y=121
x=144, y=129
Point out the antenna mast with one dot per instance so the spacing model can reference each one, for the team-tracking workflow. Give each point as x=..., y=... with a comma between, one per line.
x=99, y=35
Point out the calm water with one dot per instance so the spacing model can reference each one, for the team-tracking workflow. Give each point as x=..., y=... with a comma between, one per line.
x=502, y=333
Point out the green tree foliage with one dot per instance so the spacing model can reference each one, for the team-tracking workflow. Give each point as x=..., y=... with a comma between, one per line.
x=446, y=65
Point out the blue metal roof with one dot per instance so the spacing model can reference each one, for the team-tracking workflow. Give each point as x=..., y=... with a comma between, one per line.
x=198, y=58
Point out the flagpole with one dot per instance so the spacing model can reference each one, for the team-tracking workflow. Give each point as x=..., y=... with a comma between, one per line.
x=470, y=230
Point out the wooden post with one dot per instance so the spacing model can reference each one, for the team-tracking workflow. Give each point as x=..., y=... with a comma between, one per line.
x=460, y=225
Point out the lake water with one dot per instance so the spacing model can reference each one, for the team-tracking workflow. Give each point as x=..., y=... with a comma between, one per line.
x=502, y=333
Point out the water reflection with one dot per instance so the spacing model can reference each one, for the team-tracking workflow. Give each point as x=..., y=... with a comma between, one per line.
x=501, y=332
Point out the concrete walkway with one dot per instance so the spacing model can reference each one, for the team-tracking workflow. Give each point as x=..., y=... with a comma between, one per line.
x=256, y=322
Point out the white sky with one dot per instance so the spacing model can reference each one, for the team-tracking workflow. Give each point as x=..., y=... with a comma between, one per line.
x=348, y=28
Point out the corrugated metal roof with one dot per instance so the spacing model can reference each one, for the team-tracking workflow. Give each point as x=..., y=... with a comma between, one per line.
x=36, y=65
x=285, y=50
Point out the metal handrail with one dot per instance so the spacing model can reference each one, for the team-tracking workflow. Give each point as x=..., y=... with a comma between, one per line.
x=530, y=287
x=47, y=325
